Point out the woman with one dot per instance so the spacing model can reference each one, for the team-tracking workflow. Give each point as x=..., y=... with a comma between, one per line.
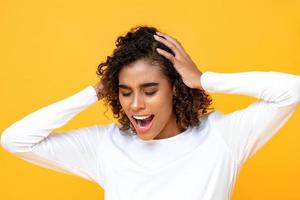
x=167, y=145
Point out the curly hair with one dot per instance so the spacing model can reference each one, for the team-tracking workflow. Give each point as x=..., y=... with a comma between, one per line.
x=138, y=43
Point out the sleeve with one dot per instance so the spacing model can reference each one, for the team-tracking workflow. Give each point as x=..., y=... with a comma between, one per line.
x=246, y=130
x=75, y=152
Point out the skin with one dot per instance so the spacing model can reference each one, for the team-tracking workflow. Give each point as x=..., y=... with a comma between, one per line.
x=139, y=101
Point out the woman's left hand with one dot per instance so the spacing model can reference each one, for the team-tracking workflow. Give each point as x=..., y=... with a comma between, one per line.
x=182, y=62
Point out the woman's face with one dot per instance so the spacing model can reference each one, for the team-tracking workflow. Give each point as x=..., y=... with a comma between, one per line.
x=145, y=91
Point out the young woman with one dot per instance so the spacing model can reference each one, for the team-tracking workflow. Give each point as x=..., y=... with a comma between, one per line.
x=167, y=146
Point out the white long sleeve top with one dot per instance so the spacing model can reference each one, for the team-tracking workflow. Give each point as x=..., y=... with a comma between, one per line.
x=201, y=163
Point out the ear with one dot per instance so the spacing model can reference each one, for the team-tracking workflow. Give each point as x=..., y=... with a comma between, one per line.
x=174, y=92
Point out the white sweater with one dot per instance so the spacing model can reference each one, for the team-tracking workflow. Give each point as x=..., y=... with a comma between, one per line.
x=201, y=163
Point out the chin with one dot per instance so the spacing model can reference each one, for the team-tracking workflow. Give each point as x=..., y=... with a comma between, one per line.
x=146, y=136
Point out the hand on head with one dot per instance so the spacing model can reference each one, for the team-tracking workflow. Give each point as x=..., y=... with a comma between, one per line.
x=182, y=62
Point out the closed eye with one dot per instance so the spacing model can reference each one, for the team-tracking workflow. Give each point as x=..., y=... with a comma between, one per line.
x=125, y=95
x=150, y=93
x=147, y=93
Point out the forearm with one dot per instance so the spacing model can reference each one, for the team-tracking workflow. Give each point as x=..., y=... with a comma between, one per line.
x=277, y=87
x=22, y=135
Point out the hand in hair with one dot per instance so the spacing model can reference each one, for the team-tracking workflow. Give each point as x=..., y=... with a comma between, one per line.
x=182, y=62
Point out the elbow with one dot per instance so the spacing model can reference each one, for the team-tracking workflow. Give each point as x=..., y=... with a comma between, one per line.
x=290, y=86
x=296, y=92
x=6, y=141
x=291, y=95
x=9, y=142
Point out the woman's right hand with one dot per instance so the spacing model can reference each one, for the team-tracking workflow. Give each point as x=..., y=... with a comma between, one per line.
x=98, y=87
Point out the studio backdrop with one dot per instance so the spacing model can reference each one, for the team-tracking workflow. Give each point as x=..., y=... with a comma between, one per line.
x=50, y=49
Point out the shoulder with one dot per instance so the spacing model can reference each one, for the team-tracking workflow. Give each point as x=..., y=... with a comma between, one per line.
x=212, y=119
x=104, y=129
x=111, y=130
x=212, y=116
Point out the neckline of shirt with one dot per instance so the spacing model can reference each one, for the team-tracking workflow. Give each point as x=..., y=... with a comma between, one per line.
x=152, y=155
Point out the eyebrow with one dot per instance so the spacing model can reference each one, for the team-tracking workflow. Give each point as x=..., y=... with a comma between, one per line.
x=141, y=85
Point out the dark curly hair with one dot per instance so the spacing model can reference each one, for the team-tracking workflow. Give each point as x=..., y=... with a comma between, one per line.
x=138, y=43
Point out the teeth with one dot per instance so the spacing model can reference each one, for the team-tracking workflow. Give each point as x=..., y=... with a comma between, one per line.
x=141, y=117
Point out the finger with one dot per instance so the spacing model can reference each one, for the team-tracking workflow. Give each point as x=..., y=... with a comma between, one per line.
x=166, y=54
x=169, y=44
x=169, y=38
x=175, y=42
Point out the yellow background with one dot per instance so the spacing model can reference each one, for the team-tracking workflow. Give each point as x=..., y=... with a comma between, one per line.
x=50, y=49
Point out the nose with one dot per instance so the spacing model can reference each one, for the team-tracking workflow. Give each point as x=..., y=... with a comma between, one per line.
x=137, y=102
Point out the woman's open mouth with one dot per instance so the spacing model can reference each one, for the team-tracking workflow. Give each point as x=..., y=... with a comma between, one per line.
x=143, y=124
